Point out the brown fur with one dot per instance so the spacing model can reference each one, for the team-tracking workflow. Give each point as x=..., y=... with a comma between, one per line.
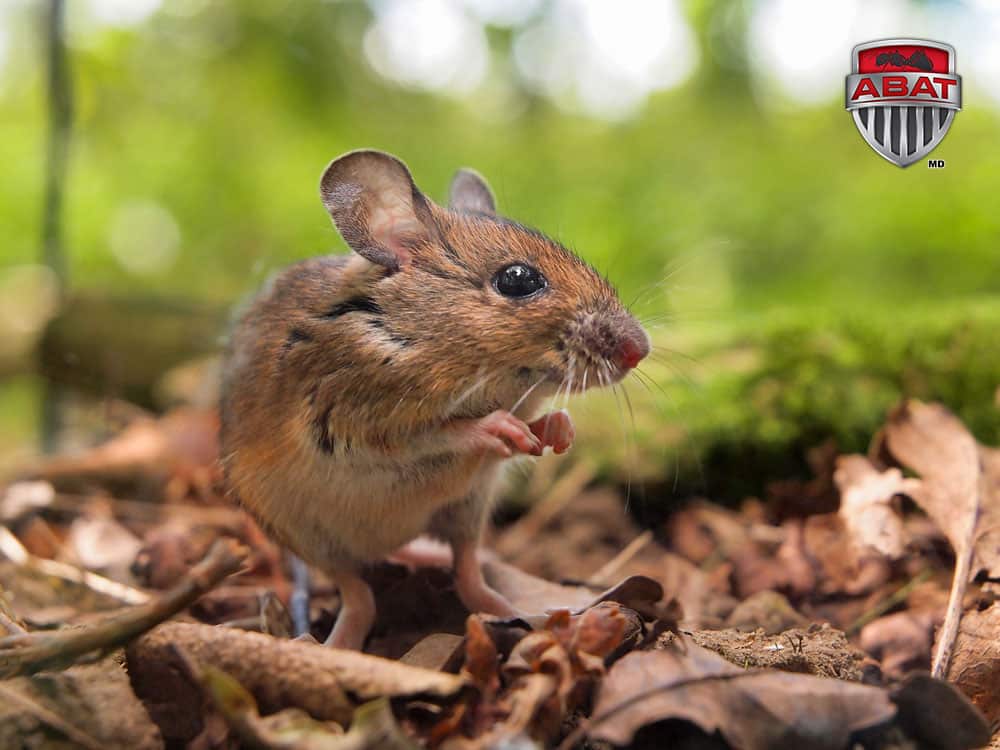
x=343, y=377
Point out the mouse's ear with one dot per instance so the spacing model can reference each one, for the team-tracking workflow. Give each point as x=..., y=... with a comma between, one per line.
x=470, y=193
x=376, y=206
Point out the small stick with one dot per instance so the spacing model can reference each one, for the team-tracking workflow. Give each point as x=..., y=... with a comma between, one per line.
x=953, y=615
x=607, y=571
x=30, y=653
x=13, y=550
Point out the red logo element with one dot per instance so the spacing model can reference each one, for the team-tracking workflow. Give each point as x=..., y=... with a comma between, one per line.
x=903, y=94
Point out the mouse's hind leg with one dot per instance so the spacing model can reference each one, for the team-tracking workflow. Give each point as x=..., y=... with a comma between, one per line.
x=357, y=612
x=461, y=525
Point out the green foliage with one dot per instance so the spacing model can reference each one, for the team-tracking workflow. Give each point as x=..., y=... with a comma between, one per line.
x=771, y=387
x=810, y=261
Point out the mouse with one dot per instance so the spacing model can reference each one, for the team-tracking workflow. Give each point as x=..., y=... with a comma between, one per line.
x=374, y=397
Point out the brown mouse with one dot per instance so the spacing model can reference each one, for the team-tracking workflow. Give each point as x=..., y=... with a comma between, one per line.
x=371, y=398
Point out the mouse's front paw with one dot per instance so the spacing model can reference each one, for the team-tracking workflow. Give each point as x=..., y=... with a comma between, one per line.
x=503, y=433
x=554, y=429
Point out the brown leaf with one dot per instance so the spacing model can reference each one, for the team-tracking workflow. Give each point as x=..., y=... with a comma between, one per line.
x=900, y=641
x=866, y=496
x=481, y=658
x=750, y=709
x=953, y=489
x=438, y=651
x=373, y=726
x=975, y=666
x=88, y=706
x=535, y=595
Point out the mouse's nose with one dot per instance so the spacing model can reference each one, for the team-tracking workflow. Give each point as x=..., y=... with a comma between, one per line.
x=633, y=347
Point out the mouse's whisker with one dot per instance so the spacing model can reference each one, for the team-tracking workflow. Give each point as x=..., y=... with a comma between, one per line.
x=479, y=382
x=571, y=366
x=569, y=385
x=527, y=393
x=645, y=378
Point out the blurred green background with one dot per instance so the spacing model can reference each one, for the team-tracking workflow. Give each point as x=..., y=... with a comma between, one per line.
x=697, y=152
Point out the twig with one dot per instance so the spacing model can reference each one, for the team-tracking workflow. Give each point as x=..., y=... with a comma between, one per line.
x=963, y=566
x=605, y=576
x=13, y=550
x=27, y=654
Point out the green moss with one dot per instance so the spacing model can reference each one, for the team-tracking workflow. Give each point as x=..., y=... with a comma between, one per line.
x=765, y=389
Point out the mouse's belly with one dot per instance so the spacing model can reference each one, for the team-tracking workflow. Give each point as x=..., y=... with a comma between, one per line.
x=334, y=512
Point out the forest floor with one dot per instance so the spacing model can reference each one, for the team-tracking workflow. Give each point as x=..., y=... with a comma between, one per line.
x=138, y=608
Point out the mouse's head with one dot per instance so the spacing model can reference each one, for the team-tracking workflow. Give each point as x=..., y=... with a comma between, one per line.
x=474, y=300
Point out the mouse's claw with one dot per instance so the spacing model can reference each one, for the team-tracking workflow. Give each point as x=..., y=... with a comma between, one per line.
x=501, y=432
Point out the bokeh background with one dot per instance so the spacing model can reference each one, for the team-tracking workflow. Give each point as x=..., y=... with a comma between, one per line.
x=696, y=151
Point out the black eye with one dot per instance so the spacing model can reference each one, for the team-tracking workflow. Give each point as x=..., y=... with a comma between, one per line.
x=518, y=280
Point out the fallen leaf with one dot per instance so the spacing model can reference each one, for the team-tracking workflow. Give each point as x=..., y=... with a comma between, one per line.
x=900, y=641
x=87, y=706
x=438, y=651
x=373, y=726
x=956, y=493
x=101, y=543
x=532, y=594
x=866, y=504
x=25, y=497
x=952, y=489
x=975, y=665
x=750, y=709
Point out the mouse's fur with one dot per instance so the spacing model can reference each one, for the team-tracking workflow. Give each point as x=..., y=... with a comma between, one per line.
x=346, y=377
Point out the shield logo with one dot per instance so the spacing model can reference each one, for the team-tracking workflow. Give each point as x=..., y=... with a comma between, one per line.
x=903, y=95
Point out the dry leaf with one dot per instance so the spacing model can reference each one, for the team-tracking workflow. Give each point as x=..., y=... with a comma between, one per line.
x=438, y=651
x=975, y=666
x=373, y=727
x=957, y=495
x=900, y=641
x=532, y=594
x=101, y=543
x=750, y=709
x=87, y=706
x=866, y=496
x=952, y=489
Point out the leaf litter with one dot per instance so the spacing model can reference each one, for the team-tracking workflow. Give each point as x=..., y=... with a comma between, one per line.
x=806, y=618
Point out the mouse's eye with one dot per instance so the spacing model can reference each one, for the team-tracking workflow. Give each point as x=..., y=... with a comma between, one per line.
x=519, y=280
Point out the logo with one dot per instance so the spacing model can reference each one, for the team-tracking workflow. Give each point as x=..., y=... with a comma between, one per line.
x=903, y=95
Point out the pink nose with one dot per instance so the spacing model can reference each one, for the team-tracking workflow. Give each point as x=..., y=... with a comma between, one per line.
x=631, y=351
